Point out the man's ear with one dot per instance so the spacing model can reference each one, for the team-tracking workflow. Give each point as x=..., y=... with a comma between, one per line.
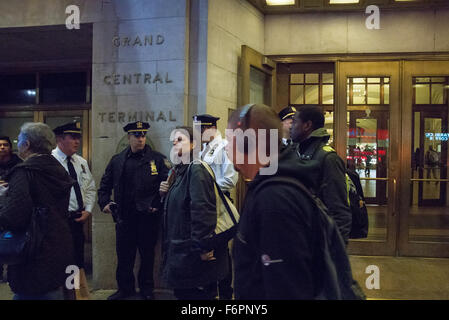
x=308, y=126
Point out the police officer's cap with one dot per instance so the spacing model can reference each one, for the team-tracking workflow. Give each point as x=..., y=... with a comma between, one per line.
x=206, y=120
x=72, y=128
x=137, y=127
x=286, y=113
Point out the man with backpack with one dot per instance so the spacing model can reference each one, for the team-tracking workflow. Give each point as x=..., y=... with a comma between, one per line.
x=311, y=137
x=432, y=161
x=281, y=250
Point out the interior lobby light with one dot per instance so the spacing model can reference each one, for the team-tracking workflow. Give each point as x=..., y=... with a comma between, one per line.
x=343, y=1
x=280, y=2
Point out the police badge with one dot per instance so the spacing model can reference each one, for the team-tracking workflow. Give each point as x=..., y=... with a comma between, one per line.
x=153, y=168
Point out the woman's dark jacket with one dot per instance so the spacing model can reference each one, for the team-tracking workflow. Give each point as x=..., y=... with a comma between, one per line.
x=190, y=218
x=50, y=185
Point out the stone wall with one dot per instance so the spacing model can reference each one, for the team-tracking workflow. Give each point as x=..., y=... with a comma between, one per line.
x=138, y=73
x=326, y=33
x=232, y=23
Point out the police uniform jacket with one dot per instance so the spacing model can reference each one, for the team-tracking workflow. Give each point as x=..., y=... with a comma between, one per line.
x=190, y=218
x=85, y=180
x=214, y=154
x=152, y=170
x=331, y=184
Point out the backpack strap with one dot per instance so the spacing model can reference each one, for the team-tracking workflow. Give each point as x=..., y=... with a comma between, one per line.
x=320, y=155
x=219, y=191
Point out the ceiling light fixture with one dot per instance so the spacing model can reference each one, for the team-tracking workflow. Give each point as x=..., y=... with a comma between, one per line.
x=280, y=2
x=343, y=1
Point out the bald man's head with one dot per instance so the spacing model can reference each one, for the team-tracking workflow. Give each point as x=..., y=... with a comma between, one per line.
x=254, y=135
x=258, y=117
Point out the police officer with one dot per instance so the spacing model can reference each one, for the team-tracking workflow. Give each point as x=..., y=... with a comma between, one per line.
x=286, y=116
x=135, y=175
x=308, y=131
x=214, y=154
x=83, y=193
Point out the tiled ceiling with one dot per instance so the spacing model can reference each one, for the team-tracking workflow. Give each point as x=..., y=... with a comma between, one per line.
x=324, y=6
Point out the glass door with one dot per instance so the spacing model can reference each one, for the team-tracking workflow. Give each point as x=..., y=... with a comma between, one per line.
x=424, y=208
x=368, y=104
x=10, y=123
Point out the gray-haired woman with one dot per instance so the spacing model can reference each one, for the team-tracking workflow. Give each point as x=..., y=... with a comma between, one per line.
x=39, y=181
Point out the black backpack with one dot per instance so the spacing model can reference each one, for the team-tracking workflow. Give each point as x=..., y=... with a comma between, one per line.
x=356, y=199
x=331, y=260
x=359, y=227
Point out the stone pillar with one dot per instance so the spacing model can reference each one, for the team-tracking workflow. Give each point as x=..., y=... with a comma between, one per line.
x=138, y=73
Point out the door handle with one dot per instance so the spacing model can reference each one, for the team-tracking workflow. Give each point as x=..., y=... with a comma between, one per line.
x=394, y=196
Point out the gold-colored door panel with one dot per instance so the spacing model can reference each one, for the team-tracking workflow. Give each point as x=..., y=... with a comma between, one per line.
x=379, y=141
x=424, y=204
x=258, y=86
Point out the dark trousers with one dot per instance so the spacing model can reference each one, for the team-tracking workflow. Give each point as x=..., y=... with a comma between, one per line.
x=225, y=285
x=137, y=231
x=78, y=242
x=208, y=292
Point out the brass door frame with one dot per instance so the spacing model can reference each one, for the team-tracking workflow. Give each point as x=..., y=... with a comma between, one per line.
x=252, y=58
x=443, y=171
x=413, y=69
x=389, y=69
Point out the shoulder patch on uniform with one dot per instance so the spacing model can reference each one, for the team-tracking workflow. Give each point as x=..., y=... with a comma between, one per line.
x=328, y=149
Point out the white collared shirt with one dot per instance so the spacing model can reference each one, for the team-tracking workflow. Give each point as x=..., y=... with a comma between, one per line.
x=85, y=180
x=214, y=154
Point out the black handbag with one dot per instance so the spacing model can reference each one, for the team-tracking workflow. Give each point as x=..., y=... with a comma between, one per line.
x=19, y=247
